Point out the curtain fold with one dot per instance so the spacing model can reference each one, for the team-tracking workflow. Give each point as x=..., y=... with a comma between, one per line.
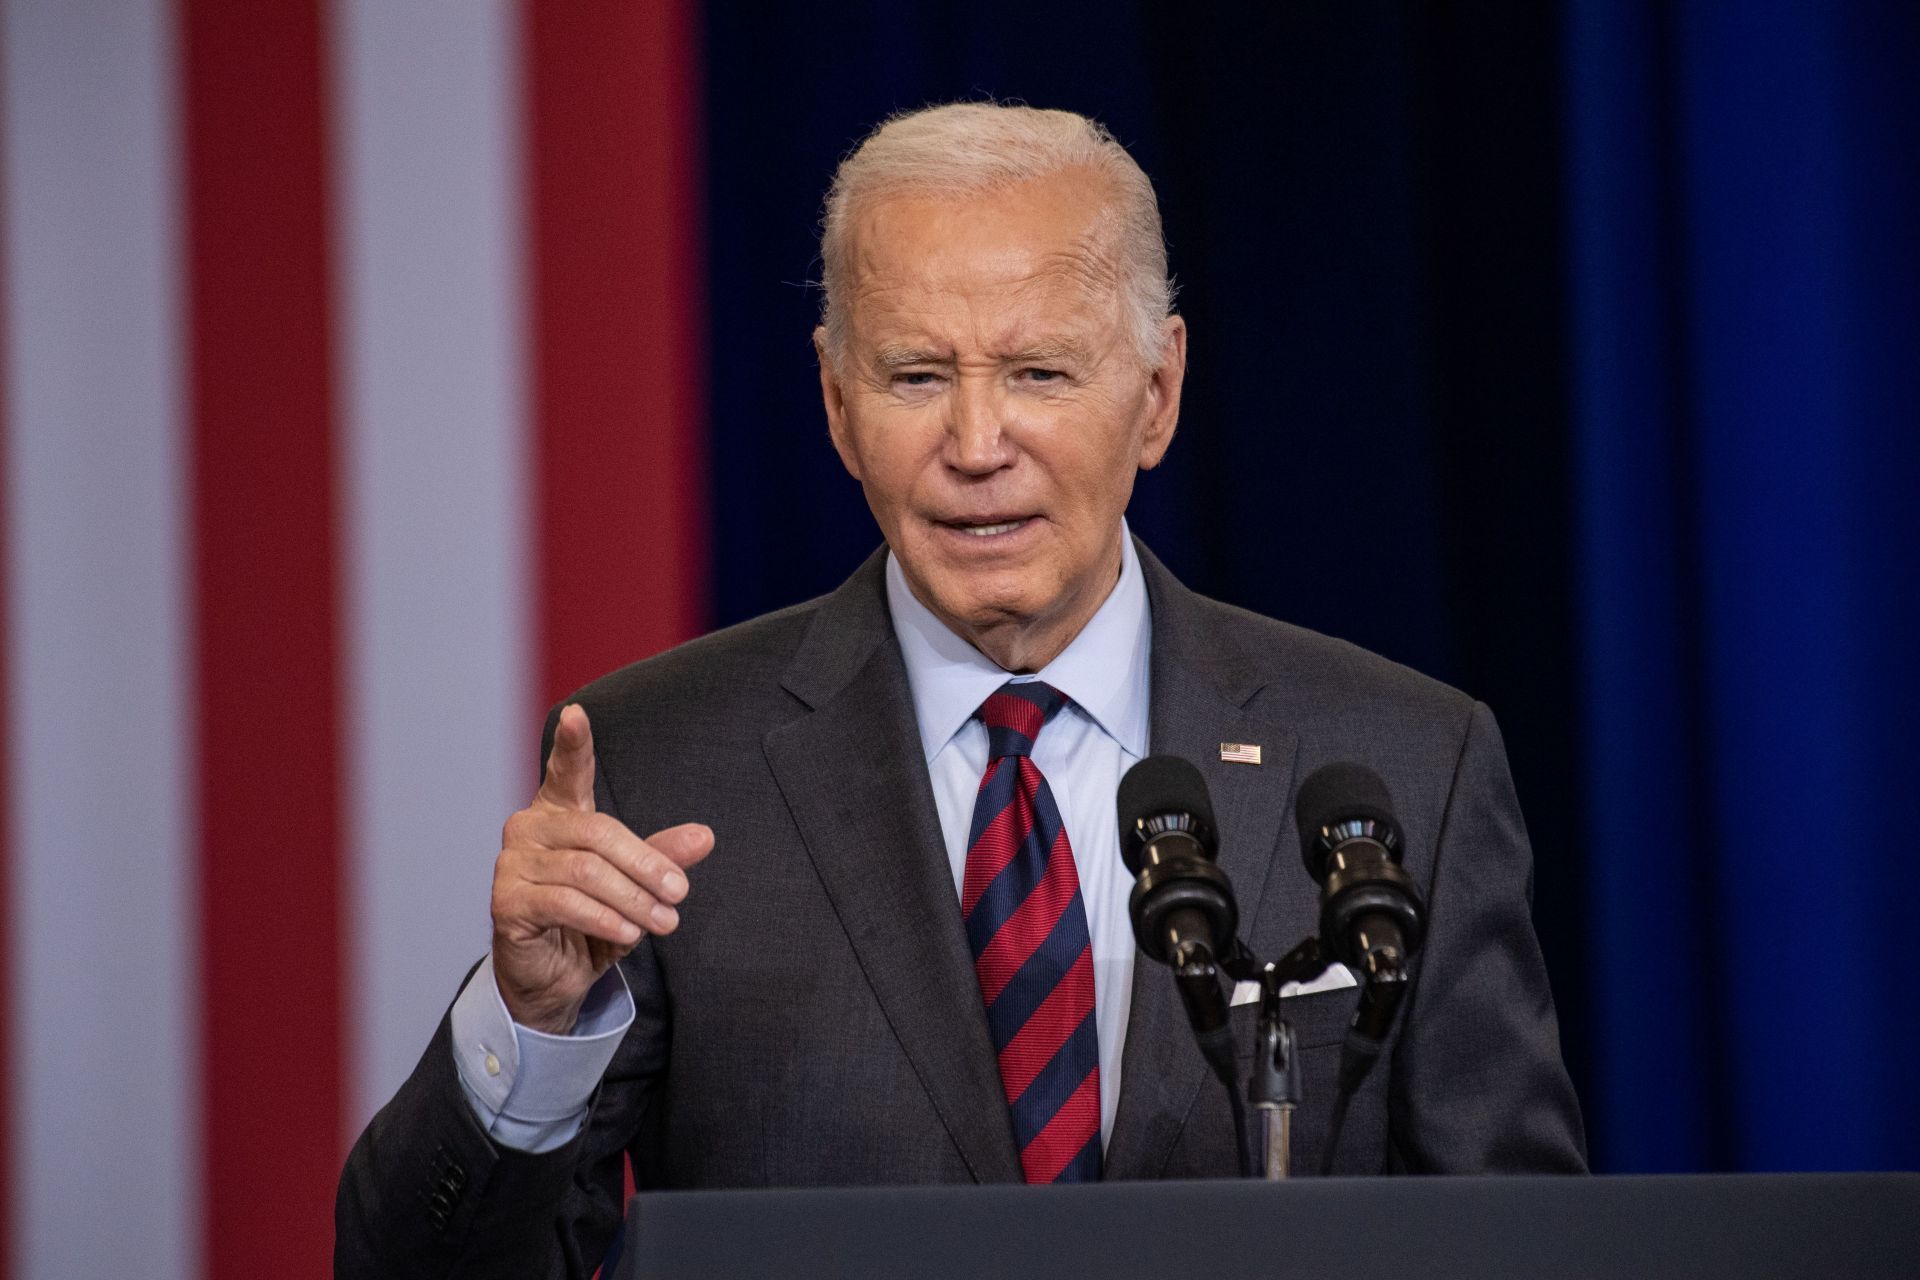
x=1741, y=208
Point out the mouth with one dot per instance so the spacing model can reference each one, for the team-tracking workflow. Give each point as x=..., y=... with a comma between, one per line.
x=991, y=526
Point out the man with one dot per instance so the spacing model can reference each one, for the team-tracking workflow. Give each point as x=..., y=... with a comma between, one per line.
x=879, y=931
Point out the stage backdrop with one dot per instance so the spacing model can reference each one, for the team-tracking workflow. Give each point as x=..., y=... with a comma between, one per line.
x=376, y=371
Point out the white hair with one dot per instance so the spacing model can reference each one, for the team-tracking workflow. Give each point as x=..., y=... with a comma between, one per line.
x=967, y=148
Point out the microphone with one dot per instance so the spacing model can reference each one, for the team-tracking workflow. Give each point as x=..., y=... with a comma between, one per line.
x=1182, y=904
x=1371, y=916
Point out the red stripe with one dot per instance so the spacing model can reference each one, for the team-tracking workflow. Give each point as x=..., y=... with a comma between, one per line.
x=1010, y=711
x=614, y=233
x=254, y=116
x=1002, y=837
x=1048, y=1027
x=1030, y=924
x=994, y=849
x=1066, y=1135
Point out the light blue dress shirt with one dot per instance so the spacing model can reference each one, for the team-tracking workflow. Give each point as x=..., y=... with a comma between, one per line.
x=530, y=1090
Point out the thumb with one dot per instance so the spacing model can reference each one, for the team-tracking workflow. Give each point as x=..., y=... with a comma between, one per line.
x=569, y=780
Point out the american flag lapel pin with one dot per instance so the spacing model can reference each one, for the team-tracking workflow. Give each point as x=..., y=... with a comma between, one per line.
x=1240, y=752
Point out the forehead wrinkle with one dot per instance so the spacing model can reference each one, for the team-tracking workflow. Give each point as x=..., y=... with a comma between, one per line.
x=1027, y=330
x=1087, y=263
x=1083, y=331
x=1006, y=302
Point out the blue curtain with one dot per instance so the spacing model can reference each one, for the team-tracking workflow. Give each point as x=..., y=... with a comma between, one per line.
x=1562, y=352
x=1744, y=220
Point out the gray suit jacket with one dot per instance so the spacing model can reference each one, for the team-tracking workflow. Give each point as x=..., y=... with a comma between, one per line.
x=815, y=1019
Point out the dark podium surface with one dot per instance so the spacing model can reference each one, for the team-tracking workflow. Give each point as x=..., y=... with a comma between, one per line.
x=1750, y=1225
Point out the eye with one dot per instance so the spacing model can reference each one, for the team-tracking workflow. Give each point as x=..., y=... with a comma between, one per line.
x=1042, y=375
x=916, y=378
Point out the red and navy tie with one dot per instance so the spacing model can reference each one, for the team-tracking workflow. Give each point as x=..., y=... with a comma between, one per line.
x=1031, y=951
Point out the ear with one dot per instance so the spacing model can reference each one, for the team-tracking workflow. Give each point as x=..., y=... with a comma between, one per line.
x=835, y=403
x=1163, y=393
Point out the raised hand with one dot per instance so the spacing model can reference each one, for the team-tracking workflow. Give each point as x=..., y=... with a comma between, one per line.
x=574, y=890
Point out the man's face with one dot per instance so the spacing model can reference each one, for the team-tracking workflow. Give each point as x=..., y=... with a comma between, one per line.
x=993, y=406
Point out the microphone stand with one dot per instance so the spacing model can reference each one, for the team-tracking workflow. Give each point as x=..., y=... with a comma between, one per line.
x=1274, y=1087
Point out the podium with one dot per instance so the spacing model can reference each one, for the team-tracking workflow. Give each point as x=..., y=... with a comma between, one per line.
x=1698, y=1227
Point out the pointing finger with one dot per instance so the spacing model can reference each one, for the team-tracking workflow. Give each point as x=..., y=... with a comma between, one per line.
x=569, y=780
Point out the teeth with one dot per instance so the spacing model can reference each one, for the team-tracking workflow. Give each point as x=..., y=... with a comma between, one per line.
x=988, y=530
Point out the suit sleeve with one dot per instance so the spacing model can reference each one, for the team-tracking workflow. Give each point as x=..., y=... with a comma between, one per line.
x=1478, y=1082
x=427, y=1193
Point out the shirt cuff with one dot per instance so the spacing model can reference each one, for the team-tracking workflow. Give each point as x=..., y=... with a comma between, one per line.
x=529, y=1089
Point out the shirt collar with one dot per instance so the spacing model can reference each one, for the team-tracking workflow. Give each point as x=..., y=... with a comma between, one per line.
x=1103, y=669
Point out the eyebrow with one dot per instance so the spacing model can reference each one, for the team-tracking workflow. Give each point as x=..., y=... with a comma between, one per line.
x=1048, y=351
x=900, y=356
x=895, y=356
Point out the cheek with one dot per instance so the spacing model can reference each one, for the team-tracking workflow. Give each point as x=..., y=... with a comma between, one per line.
x=891, y=467
x=1095, y=476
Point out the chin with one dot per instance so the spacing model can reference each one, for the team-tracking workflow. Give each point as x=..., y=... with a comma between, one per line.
x=1004, y=612
x=980, y=598
x=979, y=614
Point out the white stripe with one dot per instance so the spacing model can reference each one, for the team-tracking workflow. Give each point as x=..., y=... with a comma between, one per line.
x=441, y=726
x=105, y=1154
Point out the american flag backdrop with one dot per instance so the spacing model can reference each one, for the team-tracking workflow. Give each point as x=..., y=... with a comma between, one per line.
x=353, y=355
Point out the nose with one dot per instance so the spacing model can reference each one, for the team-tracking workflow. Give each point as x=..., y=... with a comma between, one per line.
x=977, y=443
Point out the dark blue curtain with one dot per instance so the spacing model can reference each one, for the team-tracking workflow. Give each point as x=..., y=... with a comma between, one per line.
x=1745, y=218
x=1557, y=352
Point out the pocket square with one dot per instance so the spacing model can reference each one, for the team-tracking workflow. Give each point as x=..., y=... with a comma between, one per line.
x=1335, y=977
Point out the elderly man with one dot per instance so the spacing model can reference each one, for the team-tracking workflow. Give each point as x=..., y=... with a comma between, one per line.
x=878, y=932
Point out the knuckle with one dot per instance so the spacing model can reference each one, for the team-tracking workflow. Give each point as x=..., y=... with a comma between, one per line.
x=509, y=901
x=598, y=829
x=515, y=829
x=578, y=866
x=507, y=872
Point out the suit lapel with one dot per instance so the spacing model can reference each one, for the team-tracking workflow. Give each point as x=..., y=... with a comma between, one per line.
x=854, y=780
x=1203, y=696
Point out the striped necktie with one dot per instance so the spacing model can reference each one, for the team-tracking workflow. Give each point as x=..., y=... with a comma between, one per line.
x=1031, y=951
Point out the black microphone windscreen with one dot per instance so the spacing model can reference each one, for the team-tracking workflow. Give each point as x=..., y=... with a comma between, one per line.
x=1155, y=787
x=1336, y=793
